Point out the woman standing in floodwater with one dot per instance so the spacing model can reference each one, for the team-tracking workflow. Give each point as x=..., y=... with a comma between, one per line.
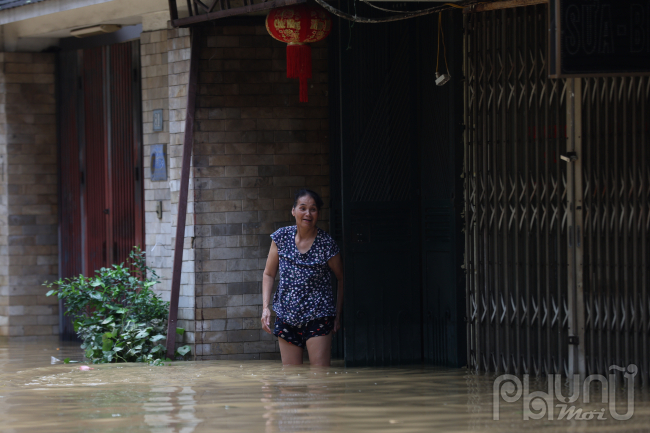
x=303, y=302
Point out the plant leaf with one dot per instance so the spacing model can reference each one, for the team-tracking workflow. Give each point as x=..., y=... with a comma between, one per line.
x=66, y=361
x=158, y=337
x=184, y=350
x=108, y=345
x=107, y=342
x=180, y=331
x=51, y=292
x=108, y=320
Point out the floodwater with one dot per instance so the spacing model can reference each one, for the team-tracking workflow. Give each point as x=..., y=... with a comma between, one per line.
x=262, y=396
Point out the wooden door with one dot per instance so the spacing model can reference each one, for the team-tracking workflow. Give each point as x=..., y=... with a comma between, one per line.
x=101, y=215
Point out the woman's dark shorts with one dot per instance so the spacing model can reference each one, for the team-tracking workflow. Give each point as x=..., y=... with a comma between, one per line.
x=299, y=334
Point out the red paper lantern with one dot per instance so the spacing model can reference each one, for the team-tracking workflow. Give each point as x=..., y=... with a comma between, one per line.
x=298, y=25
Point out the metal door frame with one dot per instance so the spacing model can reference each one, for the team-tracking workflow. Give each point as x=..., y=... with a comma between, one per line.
x=600, y=189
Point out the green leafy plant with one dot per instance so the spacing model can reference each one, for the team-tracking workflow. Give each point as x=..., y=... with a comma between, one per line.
x=116, y=313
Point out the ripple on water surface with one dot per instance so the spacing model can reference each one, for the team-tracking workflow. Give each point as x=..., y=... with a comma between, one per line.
x=256, y=396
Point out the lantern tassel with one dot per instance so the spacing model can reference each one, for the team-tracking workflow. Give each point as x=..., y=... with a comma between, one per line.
x=299, y=66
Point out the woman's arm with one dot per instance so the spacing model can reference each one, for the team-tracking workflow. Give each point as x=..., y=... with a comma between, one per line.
x=270, y=271
x=336, y=265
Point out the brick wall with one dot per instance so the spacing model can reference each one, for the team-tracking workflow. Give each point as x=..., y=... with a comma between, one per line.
x=255, y=144
x=4, y=206
x=165, y=75
x=155, y=95
x=28, y=195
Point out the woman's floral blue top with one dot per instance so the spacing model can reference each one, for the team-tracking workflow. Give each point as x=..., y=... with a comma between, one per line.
x=304, y=292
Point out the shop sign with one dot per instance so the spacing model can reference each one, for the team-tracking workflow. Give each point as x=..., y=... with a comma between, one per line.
x=599, y=38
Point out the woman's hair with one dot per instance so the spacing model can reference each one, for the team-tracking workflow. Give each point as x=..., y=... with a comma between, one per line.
x=303, y=192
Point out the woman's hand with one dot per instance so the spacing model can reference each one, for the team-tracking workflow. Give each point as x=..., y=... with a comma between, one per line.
x=266, y=319
x=268, y=277
x=337, y=323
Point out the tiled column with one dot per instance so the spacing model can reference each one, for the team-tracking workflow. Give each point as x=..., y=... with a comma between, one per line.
x=28, y=196
x=165, y=76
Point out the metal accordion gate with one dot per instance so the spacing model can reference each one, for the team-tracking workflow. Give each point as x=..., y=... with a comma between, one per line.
x=557, y=219
x=516, y=186
x=615, y=164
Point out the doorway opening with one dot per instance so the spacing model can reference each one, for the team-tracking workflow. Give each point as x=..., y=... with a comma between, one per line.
x=101, y=216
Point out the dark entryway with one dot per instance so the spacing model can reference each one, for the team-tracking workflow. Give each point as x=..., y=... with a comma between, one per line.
x=100, y=153
x=396, y=146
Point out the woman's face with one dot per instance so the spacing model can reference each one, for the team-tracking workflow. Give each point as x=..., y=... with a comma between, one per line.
x=305, y=212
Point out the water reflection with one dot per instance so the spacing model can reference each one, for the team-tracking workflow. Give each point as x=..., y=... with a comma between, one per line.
x=171, y=410
x=231, y=396
x=298, y=404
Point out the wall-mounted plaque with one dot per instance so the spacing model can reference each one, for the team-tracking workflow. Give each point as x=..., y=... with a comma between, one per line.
x=599, y=38
x=158, y=162
x=158, y=120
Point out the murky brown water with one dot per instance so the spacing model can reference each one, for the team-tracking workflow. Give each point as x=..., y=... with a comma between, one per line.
x=259, y=396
